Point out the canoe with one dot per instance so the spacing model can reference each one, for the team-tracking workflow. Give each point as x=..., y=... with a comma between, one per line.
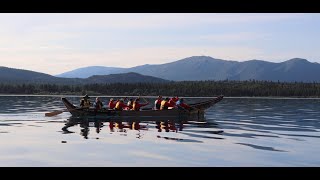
x=196, y=109
x=206, y=104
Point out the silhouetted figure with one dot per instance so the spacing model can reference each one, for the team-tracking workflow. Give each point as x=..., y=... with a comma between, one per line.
x=98, y=104
x=85, y=102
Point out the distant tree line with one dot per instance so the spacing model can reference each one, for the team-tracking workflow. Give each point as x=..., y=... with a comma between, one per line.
x=184, y=88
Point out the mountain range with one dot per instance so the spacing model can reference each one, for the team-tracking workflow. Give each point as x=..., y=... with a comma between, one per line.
x=193, y=68
x=19, y=76
x=197, y=68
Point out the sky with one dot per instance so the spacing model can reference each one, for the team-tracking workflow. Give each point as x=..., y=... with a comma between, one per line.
x=54, y=43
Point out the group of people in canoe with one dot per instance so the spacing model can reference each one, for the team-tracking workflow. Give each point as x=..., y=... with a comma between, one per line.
x=135, y=104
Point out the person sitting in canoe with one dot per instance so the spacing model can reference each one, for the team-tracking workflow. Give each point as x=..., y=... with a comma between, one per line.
x=165, y=104
x=136, y=105
x=157, y=103
x=112, y=103
x=85, y=102
x=130, y=103
x=98, y=104
x=180, y=103
x=120, y=105
x=173, y=100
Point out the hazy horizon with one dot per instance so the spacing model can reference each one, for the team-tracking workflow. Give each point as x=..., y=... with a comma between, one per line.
x=54, y=43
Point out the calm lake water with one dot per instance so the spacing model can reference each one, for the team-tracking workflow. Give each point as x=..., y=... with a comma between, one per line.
x=235, y=132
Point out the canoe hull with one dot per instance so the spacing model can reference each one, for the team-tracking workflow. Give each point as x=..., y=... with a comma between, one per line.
x=197, y=110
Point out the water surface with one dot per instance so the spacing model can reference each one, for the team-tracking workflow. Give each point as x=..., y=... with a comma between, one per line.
x=235, y=132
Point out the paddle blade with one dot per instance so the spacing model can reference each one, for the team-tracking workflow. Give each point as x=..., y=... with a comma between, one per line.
x=53, y=113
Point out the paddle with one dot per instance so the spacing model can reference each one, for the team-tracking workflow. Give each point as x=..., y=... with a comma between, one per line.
x=53, y=113
x=150, y=108
x=145, y=100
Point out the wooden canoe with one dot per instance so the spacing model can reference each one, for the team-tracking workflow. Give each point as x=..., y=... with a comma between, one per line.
x=196, y=109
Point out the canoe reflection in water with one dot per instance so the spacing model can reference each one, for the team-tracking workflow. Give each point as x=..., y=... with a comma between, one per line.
x=120, y=126
x=123, y=126
x=168, y=126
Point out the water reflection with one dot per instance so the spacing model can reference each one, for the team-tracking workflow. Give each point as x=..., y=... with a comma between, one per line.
x=120, y=126
x=261, y=147
x=84, y=129
x=169, y=126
